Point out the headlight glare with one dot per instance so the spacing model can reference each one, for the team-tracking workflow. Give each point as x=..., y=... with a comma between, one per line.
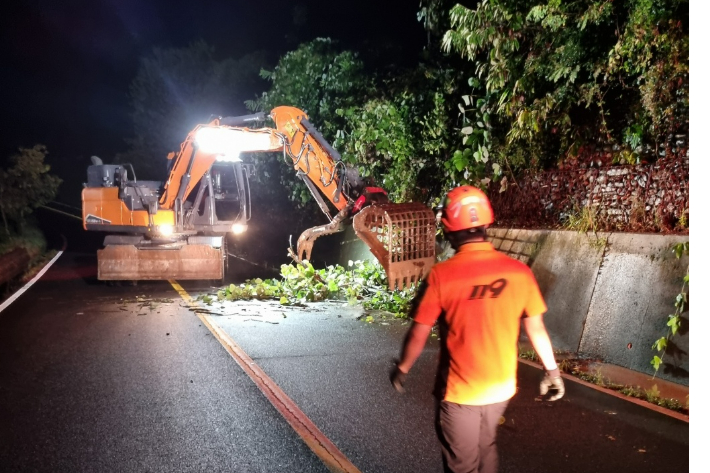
x=165, y=230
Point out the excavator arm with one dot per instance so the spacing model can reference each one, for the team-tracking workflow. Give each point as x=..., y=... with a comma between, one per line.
x=400, y=236
x=314, y=160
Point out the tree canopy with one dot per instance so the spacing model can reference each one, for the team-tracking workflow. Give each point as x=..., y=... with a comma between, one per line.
x=550, y=77
x=393, y=127
x=320, y=79
x=402, y=135
x=25, y=185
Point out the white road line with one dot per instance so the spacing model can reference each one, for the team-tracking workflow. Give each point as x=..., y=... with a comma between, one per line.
x=29, y=284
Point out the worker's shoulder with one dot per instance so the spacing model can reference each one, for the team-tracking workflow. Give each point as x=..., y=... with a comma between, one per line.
x=510, y=259
x=489, y=256
x=512, y=265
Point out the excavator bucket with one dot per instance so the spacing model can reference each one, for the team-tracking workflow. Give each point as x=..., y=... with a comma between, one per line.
x=402, y=237
x=129, y=263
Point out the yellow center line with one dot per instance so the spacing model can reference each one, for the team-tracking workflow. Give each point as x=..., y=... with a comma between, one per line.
x=326, y=450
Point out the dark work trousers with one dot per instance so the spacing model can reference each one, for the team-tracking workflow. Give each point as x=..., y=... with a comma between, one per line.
x=468, y=436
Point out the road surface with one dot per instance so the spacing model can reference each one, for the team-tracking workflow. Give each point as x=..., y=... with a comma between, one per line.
x=131, y=379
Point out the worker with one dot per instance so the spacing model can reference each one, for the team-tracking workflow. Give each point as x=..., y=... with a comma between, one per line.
x=478, y=297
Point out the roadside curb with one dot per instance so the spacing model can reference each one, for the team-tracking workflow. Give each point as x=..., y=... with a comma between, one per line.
x=611, y=392
x=29, y=284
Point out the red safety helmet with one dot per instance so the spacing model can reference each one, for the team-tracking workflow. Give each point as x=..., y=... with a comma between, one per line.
x=466, y=207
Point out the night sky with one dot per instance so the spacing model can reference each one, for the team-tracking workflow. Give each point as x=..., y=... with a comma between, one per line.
x=67, y=65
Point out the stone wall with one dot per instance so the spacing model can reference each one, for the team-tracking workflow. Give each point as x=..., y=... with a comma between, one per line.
x=647, y=197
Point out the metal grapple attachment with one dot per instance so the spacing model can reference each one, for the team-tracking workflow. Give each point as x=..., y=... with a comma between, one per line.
x=304, y=245
x=402, y=237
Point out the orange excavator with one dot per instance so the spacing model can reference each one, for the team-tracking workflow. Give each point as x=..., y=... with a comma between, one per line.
x=179, y=232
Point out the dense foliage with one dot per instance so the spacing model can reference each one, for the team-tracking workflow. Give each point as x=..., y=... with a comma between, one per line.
x=504, y=86
x=402, y=135
x=551, y=77
x=319, y=79
x=393, y=127
x=25, y=185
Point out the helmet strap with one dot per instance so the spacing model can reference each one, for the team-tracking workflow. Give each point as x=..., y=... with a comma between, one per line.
x=469, y=235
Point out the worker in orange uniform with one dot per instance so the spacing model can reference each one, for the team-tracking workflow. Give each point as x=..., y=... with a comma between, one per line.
x=479, y=297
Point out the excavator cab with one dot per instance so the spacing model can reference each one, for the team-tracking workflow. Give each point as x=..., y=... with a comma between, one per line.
x=230, y=184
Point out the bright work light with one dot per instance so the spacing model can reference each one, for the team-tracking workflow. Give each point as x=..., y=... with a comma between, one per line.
x=165, y=230
x=229, y=143
x=238, y=228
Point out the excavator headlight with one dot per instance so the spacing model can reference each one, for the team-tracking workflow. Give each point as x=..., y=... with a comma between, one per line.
x=229, y=143
x=229, y=158
x=238, y=228
x=165, y=230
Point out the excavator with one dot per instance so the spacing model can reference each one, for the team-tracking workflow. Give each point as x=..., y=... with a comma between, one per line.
x=179, y=231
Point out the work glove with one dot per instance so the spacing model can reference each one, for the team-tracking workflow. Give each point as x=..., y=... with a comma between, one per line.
x=397, y=378
x=552, y=379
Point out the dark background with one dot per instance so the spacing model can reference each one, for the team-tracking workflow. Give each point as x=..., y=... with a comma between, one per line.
x=67, y=66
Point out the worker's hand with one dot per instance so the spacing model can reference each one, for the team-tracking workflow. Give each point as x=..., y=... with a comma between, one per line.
x=552, y=380
x=397, y=378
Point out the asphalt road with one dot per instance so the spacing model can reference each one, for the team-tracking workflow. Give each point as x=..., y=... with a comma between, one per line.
x=100, y=378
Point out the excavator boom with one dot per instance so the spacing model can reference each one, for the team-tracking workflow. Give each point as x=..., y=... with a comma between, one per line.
x=400, y=236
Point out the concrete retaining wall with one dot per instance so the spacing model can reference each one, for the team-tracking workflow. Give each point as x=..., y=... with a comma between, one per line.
x=608, y=294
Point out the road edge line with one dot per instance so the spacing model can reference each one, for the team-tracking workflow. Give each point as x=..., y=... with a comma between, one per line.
x=326, y=450
x=17, y=294
x=611, y=392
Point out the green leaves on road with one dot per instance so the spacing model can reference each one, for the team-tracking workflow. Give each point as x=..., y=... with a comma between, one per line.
x=363, y=282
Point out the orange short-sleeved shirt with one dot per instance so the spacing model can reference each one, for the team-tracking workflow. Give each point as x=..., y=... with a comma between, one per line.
x=479, y=296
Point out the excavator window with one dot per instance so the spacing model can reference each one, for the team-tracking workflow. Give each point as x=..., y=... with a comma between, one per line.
x=227, y=192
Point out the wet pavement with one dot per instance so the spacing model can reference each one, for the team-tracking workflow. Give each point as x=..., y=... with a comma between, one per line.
x=127, y=378
x=352, y=399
